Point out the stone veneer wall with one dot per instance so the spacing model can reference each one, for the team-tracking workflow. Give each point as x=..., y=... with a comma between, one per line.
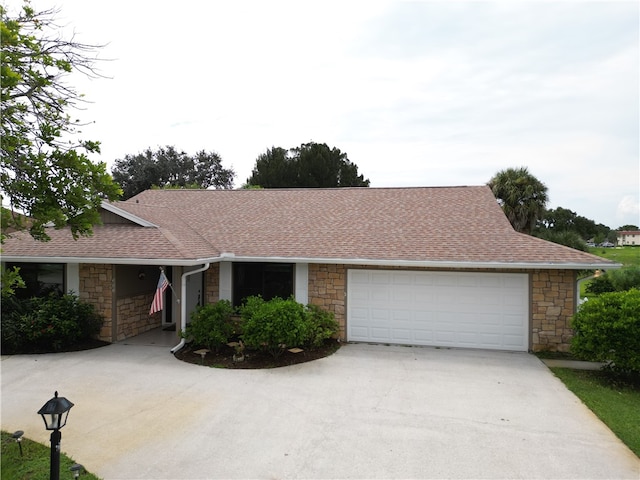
x=327, y=289
x=133, y=316
x=212, y=284
x=552, y=301
x=553, y=298
x=96, y=288
x=132, y=313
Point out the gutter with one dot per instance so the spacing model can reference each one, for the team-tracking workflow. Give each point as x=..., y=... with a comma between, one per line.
x=424, y=263
x=183, y=304
x=580, y=281
x=230, y=257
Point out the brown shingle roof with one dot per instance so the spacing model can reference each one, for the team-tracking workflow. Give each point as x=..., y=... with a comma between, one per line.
x=448, y=225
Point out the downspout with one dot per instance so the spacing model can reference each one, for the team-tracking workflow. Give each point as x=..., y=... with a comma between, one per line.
x=183, y=304
x=579, y=283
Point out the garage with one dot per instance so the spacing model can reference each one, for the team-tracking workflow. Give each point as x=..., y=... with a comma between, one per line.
x=445, y=309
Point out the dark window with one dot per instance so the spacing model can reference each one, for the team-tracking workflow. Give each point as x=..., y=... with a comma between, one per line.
x=266, y=279
x=40, y=279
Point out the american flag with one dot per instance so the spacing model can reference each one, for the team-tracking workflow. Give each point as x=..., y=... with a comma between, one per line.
x=158, y=299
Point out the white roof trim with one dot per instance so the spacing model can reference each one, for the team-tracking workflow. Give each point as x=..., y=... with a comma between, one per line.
x=230, y=257
x=129, y=216
x=427, y=263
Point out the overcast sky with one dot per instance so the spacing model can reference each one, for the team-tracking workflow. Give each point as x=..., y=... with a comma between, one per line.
x=416, y=93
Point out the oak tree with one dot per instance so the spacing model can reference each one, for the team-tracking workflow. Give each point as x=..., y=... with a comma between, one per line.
x=170, y=168
x=46, y=176
x=311, y=165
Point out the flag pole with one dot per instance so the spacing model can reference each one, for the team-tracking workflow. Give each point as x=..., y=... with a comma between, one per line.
x=170, y=285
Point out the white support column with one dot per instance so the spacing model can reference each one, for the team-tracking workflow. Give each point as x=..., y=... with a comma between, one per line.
x=176, y=305
x=73, y=278
x=226, y=285
x=301, y=288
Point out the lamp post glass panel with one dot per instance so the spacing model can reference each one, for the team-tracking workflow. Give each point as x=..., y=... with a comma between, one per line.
x=55, y=413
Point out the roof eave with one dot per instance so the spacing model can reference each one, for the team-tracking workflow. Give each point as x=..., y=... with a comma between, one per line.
x=185, y=262
x=430, y=263
x=126, y=215
x=346, y=261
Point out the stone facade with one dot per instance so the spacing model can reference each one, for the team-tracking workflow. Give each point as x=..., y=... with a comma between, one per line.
x=97, y=288
x=212, y=284
x=133, y=316
x=552, y=301
x=553, y=298
x=327, y=289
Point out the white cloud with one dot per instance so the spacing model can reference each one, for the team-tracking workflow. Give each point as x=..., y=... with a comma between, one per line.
x=416, y=93
x=628, y=212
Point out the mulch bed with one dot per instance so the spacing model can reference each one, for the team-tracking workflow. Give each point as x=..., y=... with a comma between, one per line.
x=78, y=347
x=253, y=359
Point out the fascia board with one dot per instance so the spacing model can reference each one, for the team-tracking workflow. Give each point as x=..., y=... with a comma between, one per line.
x=427, y=263
x=110, y=261
x=346, y=261
x=126, y=215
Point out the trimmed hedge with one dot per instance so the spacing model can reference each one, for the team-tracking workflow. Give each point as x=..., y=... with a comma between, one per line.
x=274, y=325
x=322, y=326
x=278, y=324
x=47, y=324
x=211, y=325
x=607, y=329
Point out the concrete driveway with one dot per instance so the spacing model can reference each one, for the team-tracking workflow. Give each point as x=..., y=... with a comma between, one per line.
x=368, y=411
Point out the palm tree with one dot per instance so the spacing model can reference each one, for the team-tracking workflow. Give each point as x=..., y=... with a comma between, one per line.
x=521, y=195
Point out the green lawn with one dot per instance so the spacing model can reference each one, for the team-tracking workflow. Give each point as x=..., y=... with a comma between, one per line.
x=34, y=465
x=617, y=404
x=627, y=256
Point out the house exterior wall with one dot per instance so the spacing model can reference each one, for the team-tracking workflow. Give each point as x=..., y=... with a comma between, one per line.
x=629, y=238
x=97, y=285
x=133, y=316
x=212, y=284
x=551, y=308
x=553, y=304
x=327, y=290
x=552, y=301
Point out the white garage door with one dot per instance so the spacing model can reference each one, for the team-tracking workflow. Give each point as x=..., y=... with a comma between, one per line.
x=449, y=309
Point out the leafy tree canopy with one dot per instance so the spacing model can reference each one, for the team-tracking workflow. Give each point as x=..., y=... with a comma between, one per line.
x=561, y=220
x=521, y=195
x=169, y=168
x=45, y=174
x=563, y=237
x=311, y=165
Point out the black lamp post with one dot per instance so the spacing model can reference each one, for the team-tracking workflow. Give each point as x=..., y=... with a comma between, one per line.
x=55, y=413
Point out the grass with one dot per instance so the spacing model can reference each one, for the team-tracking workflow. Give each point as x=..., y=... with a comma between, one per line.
x=34, y=464
x=627, y=256
x=615, y=402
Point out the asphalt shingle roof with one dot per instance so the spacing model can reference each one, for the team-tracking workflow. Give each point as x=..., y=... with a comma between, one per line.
x=446, y=225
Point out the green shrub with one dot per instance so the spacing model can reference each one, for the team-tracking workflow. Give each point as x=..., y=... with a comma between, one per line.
x=607, y=329
x=47, y=324
x=10, y=327
x=625, y=279
x=600, y=285
x=615, y=281
x=322, y=325
x=273, y=326
x=211, y=325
